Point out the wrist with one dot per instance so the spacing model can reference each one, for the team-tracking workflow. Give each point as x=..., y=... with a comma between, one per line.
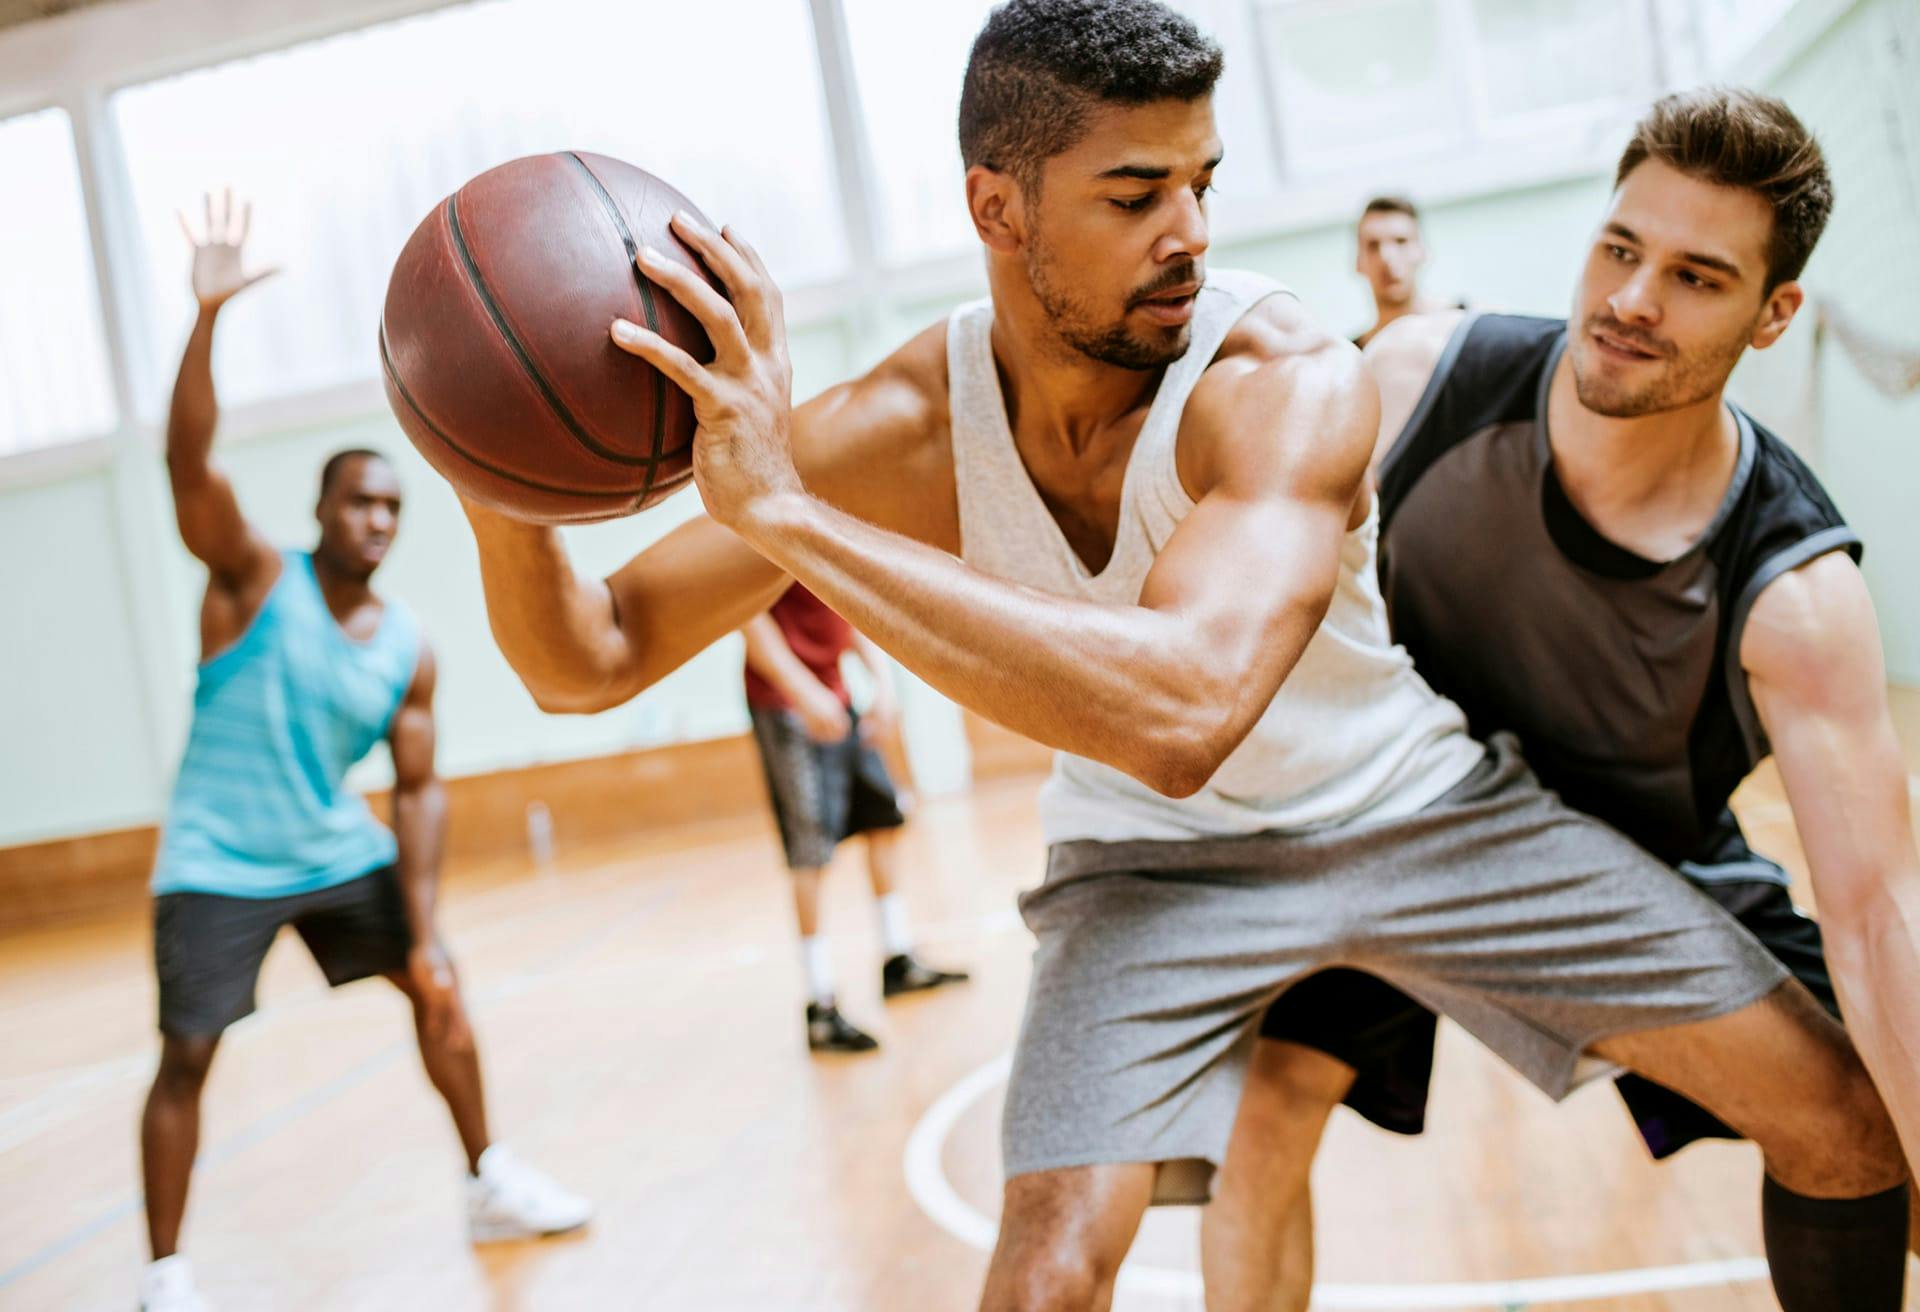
x=774, y=517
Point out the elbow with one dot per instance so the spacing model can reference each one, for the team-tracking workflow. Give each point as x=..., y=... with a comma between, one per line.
x=1181, y=763
x=583, y=696
x=566, y=701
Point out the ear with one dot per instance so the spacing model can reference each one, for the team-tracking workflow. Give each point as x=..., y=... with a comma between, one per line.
x=1783, y=302
x=997, y=207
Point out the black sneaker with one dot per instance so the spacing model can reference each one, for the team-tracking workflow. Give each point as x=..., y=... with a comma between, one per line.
x=829, y=1031
x=903, y=974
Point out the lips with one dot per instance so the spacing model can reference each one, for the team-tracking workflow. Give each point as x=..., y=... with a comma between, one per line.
x=1170, y=311
x=1620, y=347
x=1170, y=305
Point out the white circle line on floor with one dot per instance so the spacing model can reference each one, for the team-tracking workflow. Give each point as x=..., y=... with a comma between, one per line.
x=935, y=1195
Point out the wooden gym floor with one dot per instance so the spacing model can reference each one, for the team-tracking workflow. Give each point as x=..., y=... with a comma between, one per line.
x=639, y=1016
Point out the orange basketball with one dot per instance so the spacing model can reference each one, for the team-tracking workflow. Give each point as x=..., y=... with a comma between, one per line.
x=494, y=344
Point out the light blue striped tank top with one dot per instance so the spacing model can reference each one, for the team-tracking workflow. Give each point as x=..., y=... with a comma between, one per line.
x=259, y=809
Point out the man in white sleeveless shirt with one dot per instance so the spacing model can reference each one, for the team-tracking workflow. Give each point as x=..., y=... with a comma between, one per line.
x=1122, y=507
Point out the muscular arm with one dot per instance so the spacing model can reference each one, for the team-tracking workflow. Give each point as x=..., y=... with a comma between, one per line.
x=583, y=644
x=419, y=800
x=1166, y=688
x=1812, y=655
x=208, y=513
x=241, y=562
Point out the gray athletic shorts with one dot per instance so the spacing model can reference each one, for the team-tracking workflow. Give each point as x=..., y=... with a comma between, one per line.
x=1538, y=929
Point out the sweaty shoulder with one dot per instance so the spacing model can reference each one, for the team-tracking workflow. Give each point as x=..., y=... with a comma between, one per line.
x=1402, y=357
x=1285, y=402
x=878, y=445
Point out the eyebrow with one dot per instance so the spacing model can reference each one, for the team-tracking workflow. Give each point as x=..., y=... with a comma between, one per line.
x=1150, y=173
x=1714, y=262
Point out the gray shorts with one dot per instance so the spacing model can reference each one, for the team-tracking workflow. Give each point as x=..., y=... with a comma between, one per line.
x=1539, y=930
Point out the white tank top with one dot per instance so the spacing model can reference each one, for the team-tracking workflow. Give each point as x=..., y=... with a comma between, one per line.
x=1353, y=734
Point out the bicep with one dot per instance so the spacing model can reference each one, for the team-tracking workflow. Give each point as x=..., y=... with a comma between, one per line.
x=215, y=531
x=1255, y=562
x=1818, y=682
x=412, y=735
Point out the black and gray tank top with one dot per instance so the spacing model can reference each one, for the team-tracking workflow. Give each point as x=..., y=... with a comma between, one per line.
x=1620, y=675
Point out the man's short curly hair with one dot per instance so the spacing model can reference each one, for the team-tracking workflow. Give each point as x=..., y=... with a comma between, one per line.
x=1039, y=66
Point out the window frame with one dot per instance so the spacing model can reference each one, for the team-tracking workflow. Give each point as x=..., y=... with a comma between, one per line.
x=78, y=60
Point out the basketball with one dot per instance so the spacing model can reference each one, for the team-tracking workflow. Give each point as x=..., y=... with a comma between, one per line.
x=494, y=346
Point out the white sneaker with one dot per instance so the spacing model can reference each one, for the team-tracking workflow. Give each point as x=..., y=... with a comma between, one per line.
x=510, y=1200
x=167, y=1286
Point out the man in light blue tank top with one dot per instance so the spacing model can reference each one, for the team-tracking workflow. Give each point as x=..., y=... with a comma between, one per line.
x=304, y=669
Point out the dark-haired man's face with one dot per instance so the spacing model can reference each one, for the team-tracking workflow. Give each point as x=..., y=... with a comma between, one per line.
x=1391, y=254
x=359, y=512
x=1672, y=293
x=1117, y=235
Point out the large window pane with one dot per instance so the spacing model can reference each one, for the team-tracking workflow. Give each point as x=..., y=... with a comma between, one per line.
x=1359, y=80
x=345, y=144
x=54, y=384
x=909, y=59
x=1546, y=54
x=1728, y=29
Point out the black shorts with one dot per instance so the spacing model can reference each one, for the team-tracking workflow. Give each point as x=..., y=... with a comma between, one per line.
x=207, y=948
x=1388, y=1038
x=822, y=792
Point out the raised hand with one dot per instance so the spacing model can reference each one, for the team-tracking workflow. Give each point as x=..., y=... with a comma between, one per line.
x=217, y=272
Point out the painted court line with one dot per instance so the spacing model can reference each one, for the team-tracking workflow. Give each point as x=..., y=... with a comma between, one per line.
x=928, y=1184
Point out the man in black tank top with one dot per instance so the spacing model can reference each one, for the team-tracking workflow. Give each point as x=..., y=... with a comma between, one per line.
x=1585, y=546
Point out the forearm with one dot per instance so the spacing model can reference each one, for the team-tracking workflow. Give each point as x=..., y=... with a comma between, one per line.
x=556, y=628
x=1875, y=967
x=1132, y=687
x=195, y=409
x=420, y=828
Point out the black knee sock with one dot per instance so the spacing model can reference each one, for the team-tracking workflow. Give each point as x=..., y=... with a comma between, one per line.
x=1836, y=1254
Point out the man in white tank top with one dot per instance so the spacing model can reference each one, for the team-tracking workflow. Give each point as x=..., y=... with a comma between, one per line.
x=1122, y=508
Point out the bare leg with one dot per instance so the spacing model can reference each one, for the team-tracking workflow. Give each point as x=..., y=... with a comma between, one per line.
x=1063, y=1235
x=1834, y=1204
x=1782, y=1073
x=1256, y=1236
x=883, y=860
x=806, y=900
x=170, y=1136
x=453, y=1064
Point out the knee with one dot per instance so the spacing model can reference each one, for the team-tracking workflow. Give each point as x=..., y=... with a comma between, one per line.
x=1293, y=1089
x=1062, y=1239
x=1840, y=1122
x=1061, y=1278
x=183, y=1066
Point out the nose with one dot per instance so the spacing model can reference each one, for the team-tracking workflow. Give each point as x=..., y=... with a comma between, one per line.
x=1188, y=237
x=1635, y=300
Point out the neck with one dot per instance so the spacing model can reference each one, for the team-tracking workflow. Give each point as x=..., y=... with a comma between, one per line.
x=1674, y=462
x=345, y=593
x=1051, y=389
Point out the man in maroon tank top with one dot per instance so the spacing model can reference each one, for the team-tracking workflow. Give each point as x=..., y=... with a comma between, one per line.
x=828, y=783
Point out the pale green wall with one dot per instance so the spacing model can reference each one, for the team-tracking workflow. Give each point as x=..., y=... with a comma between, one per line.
x=1858, y=88
x=100, y=598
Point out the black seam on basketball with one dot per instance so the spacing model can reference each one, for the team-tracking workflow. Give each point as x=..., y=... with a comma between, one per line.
x=393, y=376
x=554, y=403
x=646, y=308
